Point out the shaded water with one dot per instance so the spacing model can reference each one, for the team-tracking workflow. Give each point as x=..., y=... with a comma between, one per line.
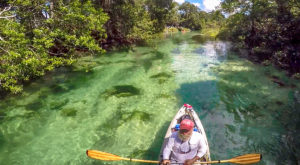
x=122, y=103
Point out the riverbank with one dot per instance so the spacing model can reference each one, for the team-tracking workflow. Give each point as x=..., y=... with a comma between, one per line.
x=246, y=53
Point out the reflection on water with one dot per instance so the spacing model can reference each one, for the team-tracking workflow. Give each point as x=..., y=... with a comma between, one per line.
x=122, y=103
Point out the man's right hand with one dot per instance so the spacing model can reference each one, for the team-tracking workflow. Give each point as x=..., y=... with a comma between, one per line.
x=166, y=162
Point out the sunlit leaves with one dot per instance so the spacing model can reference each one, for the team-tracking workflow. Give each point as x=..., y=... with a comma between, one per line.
x=42, y=38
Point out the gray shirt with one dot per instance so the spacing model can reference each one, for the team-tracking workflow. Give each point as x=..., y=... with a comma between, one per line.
x=179, y=151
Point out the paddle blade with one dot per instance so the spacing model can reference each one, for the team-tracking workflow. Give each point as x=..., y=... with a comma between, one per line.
x=246, y=159
x=94, y=154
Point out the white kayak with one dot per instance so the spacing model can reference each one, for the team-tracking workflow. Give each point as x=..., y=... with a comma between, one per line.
x=185, y=112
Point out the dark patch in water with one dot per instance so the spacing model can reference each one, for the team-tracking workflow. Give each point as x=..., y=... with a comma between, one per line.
x=57, y=104
x=199, y=38
x=43, y=95
x=231, y=128
x=199, y=51
x=276, y=80
x=279, y=102
x=162, y=80
x=160, y=75
x=69, y=112
x=139, y=115
x=2, y=140
x=2, y=116
x=147, y=64
x=58, y=88
x=122, y=91
x=38, y=104
x=159, y=55
x=178, y=40
x=165, y=96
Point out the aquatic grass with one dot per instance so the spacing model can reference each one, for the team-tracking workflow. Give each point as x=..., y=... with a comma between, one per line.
x=161, y=75
x=69, y=112
x=58, y=104
x=36, y=105
x=122, y=91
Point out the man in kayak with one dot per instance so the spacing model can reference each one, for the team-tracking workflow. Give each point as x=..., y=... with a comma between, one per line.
x=184, y=146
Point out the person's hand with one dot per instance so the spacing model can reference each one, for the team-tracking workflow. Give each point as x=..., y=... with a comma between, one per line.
x=165, y=162
x=189, y=162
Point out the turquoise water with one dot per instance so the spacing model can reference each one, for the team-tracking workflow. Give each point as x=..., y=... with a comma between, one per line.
x=122, y=103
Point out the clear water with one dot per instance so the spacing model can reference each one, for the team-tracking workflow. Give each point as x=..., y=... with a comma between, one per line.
x=123, y=102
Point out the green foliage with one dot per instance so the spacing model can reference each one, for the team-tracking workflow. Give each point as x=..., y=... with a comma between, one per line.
x=190, y=16
x=159, y=11
x=269, y=29
x=41, y=37
x=173, y=17
x=132, y=21
x=38, y=36
x=143, y=28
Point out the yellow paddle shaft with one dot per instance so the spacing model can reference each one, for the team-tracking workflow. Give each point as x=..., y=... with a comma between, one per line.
x=139, y=160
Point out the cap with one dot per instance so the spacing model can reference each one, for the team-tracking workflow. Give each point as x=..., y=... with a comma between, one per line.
x=187, y=106
x=187, y=124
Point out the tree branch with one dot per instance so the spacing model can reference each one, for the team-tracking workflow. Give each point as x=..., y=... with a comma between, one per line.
x=5, y=10
x=5, y=50
x=6, y=17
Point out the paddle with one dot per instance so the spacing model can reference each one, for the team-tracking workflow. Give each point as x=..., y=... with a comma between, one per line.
x=244, y=159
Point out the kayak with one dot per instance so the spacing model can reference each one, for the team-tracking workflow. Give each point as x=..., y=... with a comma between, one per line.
x=186, y=111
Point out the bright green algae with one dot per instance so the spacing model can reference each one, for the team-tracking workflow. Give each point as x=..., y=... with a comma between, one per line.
x=122, y=102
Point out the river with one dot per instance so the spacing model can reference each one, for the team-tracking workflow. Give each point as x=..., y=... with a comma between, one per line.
x=123, y=101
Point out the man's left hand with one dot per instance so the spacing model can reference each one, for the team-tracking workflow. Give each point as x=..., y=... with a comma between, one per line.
x=189, y=162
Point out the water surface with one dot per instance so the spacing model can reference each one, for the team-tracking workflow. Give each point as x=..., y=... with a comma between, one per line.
x=122, y=102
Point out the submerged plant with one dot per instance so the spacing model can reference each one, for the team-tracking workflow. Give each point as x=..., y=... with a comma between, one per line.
x=69, y=112
x=122, y=91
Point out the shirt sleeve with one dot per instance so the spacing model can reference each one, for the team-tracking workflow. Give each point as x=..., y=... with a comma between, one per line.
x=168, y=148
x=202, y=147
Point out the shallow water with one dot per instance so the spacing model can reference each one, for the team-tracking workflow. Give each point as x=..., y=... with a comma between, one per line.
x=122, y=103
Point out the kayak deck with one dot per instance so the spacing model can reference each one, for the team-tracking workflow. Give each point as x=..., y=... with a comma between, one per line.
x=176, y=120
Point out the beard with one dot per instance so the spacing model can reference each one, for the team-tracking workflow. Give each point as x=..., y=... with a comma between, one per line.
x=184, y=137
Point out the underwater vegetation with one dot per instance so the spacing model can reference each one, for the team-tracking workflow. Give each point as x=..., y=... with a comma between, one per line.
x=34, y=105
x=162, y=77
x=122, y=91
x=201, y=39
x=69, y=112
x=59, y=88
x=57, y=104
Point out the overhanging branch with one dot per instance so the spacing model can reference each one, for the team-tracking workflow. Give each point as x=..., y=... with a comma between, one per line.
x=5, y=10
